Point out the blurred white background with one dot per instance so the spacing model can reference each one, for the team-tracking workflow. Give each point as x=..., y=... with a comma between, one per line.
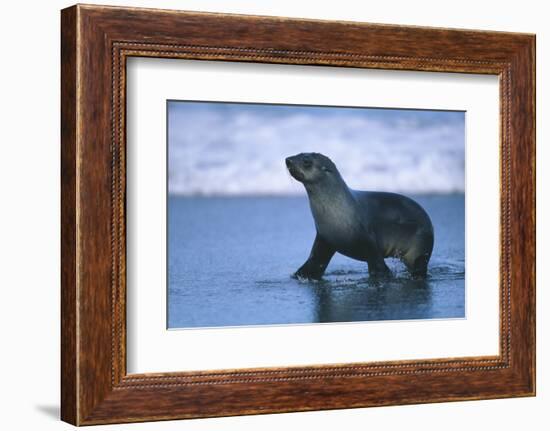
x=29, y=218
x=240, y=148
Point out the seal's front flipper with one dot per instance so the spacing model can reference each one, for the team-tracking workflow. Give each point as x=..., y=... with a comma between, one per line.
x=315, y=265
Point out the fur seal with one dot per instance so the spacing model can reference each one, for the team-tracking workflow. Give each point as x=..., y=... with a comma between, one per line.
x=364, y=225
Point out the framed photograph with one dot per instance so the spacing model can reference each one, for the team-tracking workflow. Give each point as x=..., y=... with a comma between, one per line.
x=264, y=214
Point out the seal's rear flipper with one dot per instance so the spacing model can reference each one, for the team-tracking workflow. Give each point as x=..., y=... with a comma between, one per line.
x=378, y=268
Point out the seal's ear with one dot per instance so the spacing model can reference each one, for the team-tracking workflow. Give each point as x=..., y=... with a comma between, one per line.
x=326, y=169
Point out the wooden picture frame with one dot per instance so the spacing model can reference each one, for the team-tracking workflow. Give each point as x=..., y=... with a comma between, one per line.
x=95, y=43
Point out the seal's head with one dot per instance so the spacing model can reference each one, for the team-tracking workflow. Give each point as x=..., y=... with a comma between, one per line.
x=312, y=168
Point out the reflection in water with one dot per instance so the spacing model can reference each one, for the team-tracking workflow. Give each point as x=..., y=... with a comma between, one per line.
x=367, y=299
x=351, y=296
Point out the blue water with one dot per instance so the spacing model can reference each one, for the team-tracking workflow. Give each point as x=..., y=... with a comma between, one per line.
x=230, y=261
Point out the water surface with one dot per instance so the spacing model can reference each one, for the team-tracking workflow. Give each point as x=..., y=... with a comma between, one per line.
x=230, y=261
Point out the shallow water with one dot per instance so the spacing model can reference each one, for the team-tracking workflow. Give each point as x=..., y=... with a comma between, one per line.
x=230, y=261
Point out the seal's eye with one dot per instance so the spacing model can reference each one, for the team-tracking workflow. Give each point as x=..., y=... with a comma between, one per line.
x=307, y=163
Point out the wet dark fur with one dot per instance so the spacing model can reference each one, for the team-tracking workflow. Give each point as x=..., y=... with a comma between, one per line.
x=367, y=226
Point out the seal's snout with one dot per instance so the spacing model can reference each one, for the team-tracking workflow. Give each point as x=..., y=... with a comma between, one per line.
x=293, y=166
x=288, y=162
